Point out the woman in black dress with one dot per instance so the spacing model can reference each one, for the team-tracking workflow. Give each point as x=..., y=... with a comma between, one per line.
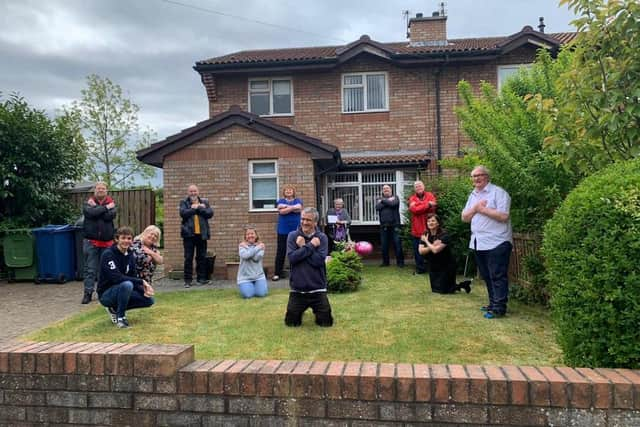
x=434, y=246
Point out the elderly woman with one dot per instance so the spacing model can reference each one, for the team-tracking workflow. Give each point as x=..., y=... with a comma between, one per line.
x=338, y=222
x=145, y=250
x=289, y=208
x=251, y=279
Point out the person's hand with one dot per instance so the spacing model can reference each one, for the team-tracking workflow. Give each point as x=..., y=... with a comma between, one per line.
x=261, y=246
x=424, y=238
x=111, y=205
x=481, y=206
x=91, y=202
x=202, y=206
x=315, y=242
x=412, y=204
x=148, y=289
x=300, y=241
x=147, y=250
x=194, y=205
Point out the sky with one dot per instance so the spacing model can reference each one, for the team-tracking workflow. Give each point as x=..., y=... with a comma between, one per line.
x=149, y=47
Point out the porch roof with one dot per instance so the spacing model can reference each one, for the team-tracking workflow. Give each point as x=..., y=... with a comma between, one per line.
x=359, y=159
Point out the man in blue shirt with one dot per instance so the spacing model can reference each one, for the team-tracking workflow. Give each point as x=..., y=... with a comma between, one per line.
x=488, y=211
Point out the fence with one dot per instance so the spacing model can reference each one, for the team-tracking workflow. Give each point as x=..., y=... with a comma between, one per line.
x=136, y=208
x=524, y=245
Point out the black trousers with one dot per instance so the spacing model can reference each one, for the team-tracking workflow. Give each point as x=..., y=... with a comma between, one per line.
x=298, y=304
x=199, y=246
x=281, y=253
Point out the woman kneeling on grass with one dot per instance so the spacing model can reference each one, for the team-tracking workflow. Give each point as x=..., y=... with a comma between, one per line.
x=251, y=279
x=434, y=246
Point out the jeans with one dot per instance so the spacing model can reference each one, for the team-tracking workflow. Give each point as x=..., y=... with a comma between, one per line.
x=199, y=246
x=421, y=266
x=387, y=233
x=124, y=296
x=256, y=288
x=494, y=267
x=92, y=255
x=298, y=304
x=281, y=252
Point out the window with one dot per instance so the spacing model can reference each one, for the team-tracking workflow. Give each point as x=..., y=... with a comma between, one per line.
x=271, y=97
x=263, y=184
x=360, y=190
x=364, y=92
x=507, y=71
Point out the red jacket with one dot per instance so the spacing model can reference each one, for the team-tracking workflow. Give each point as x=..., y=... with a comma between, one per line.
x=420, y=210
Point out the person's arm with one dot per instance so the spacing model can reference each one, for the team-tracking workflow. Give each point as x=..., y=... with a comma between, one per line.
x=246, y=252
x=392, y=201
x=431, y=201
x=109, y=270
x=501, y=212
x=93, y=211
x=186, y=211
x=345, y=217
x=259, y=254
x=469, y=210
x=204, y=209
x=379, y=204
x=417, y=206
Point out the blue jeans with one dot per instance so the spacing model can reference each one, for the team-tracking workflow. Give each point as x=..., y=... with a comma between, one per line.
x=421, y=266
x=494, y=268
x=391, y=233
x=256, y=288
x=92, y=256
x=124, y=296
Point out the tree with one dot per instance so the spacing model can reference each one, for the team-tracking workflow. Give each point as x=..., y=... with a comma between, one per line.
x=596, y=116
x=109, y=122
x=39, y=156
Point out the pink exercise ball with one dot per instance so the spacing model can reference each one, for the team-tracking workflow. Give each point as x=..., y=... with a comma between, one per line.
x=364, y=248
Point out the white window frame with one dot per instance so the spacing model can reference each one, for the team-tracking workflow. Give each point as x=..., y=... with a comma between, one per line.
x=270, y=89
x=399, y=183
x=515, y=67
x=364, y=89
x=262, y=175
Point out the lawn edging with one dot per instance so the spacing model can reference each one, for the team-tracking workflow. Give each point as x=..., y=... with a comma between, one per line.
x=151, y=384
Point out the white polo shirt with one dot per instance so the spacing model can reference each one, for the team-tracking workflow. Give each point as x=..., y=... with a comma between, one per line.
x=487, y=233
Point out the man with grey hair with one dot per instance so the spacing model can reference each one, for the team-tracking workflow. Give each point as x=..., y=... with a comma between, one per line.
x=488, y=211
x=307, y=249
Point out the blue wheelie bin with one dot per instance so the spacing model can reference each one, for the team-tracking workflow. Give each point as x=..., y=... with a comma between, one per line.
x=56, y=250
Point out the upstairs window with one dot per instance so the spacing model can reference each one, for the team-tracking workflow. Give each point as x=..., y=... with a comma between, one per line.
x=364, y=92
x=271, y=97
x=505, y=72
x=263, y=184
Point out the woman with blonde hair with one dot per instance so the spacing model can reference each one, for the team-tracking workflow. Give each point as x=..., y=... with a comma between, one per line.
x=251, y=279
x=145, y=251
x=289, y=208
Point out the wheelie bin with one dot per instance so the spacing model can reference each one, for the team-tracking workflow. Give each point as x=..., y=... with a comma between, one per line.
x=56, y=252
x=19, y=255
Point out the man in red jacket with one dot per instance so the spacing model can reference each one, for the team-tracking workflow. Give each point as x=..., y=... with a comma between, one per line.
x=421, y=203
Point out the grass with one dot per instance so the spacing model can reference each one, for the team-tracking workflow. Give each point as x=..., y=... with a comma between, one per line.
x=394, y=317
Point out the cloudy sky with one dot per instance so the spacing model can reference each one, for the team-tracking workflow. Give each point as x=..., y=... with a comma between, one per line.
x=149, y=47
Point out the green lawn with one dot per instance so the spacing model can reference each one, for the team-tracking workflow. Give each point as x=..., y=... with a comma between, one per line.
x=394, y=317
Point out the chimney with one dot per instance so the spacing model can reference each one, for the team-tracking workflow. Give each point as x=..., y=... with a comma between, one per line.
x=541, y=24
x=428, y=31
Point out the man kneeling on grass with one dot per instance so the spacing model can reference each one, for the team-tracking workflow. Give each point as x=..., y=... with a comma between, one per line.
x=118, y=288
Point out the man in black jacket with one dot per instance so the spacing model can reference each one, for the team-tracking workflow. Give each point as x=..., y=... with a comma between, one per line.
x=307, y=250
x=99, y=212
x=119, y=288
x=388, y=207
x=195, y=213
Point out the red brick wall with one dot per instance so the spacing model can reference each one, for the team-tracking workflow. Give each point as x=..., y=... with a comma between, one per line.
x=219, y=166
x=428, y=29
x=149, y=385
x=410, y=122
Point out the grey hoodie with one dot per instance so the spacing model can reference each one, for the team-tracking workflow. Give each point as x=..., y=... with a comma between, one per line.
x=250, y=268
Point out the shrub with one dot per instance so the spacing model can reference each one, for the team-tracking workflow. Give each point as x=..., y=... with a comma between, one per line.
x=344, y=271
x=536, y=291
x=591, y=248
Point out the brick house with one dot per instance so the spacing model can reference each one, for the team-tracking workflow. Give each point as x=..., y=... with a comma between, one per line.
x=336, y=121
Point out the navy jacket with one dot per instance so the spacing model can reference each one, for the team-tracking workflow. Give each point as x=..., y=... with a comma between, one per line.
x=187, y=215
x=308, y=270
x=98, y=220
x=388, y=210
x=116, y=267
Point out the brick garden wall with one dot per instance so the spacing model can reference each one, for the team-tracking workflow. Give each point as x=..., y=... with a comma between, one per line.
x=140, y=385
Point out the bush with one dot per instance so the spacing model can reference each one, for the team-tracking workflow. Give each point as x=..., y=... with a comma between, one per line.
x=536, y=291
x=591, y=248
x=344, y=272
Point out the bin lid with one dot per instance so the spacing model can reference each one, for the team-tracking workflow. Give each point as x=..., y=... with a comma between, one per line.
x=18, y=248
x=53, y=229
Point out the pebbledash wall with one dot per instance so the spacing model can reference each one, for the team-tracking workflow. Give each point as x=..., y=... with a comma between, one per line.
x=139, y=385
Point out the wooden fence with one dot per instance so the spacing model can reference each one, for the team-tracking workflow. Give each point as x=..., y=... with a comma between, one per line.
x=136, y=208
x=524, y=245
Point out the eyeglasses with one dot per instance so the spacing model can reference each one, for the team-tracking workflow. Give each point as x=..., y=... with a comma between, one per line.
x=478, y=175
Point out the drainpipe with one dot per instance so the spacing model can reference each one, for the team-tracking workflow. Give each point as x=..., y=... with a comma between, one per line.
x=438, y=121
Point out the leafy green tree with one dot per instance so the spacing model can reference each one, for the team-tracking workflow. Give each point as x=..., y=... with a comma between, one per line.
x=596, y=116
x=109, y=122
x=39, y=156
x=509, y=134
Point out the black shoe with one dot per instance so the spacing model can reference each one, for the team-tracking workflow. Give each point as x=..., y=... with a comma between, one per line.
x=86, y=299
x=122, y=323
x=466, y=285
x=187, y=284
x=204, y=282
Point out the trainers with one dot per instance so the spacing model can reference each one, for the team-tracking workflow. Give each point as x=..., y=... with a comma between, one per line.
x=112, y=315
x=204, y=282
x=86, y=299
x=466, y=285
x=187, y=284
x=122, y=323
x=275, y=278
x=493, y=315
